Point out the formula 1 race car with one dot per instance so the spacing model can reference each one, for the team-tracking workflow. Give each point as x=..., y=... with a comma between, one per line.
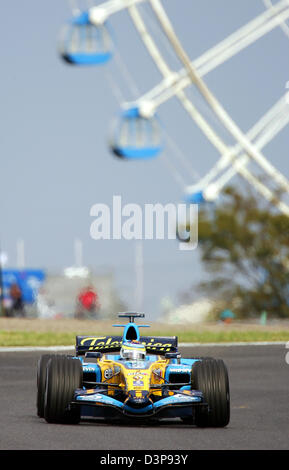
x=132, y=377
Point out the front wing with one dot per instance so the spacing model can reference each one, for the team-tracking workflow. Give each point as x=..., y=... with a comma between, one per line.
x=97, y=404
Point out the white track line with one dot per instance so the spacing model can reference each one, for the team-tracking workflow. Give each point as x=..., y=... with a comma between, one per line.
x=36, y=348
x=181, y=345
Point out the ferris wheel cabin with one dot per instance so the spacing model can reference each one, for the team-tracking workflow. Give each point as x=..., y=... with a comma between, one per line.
x=83, y=43
x=136, y=137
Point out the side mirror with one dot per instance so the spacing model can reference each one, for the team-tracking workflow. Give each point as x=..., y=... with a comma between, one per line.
x=96, y=355
x=173, y=355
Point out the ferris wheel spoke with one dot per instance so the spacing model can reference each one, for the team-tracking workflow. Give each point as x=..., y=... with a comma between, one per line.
x=265, y=129
x=264, y=190
x=284, y=26
x=191, y=109
x=218, y=54
x=236, y=164
x=220, y=112
x=166, y=72
x=100, y=13
x=206, y=128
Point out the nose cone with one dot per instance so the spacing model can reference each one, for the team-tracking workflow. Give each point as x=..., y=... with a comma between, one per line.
x=138, y=398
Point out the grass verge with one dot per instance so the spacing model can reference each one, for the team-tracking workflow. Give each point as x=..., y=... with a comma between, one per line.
x=52, y=338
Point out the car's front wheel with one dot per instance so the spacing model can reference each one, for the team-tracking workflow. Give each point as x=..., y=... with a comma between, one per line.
x=210, y=376
x=64, y=376
x=41, y=382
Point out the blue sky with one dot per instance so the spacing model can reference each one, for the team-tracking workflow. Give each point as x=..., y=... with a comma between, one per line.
x=55, y=162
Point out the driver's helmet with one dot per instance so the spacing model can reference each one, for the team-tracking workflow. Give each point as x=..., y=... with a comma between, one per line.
x=133, y=351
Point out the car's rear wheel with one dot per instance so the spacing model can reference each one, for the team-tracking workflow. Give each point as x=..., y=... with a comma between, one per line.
x=41, y=381
x=210, y=376
x=63, y=376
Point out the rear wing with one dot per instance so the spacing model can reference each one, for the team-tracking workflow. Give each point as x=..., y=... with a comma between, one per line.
x=154, y=344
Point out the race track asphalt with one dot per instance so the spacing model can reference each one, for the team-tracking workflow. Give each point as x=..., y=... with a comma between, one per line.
x=259, y=385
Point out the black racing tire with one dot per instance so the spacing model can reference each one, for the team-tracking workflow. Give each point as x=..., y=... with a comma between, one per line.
x=190, y=419
x=63, y=376
x=210, y=376
x=41, y=382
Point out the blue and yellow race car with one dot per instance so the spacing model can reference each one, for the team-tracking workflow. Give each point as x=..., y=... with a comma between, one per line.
x=132, y=377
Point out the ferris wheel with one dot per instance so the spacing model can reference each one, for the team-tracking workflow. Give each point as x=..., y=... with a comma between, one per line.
x=87, y=40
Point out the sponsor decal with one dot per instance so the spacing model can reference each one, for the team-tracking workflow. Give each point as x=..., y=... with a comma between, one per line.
x=138, y=383
x=110, y=342
x=103, y=342
x=138, y=377
x=183, y=397
x=133, y=373
x=92, y=397
x=88, y=369
x=180, y=371
x=108, y=373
